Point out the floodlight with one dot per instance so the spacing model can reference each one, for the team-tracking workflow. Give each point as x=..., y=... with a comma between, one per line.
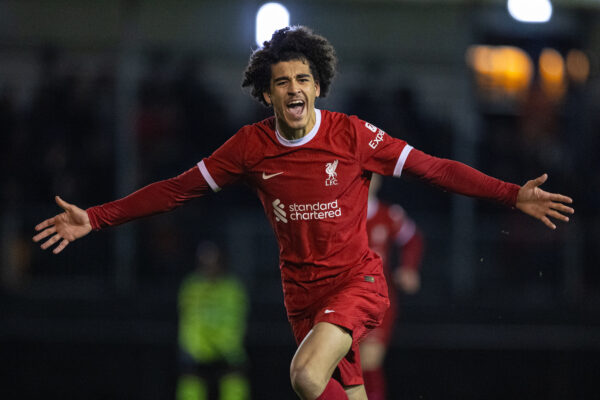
x=530, y=10
x=269, y=18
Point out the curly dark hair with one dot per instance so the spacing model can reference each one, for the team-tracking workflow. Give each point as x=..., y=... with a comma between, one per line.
x=291, y=43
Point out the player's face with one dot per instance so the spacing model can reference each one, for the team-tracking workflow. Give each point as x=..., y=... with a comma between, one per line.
x=292, y=94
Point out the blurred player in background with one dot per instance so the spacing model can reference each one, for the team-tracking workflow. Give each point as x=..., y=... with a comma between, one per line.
x=389, y=228
x=212, y=325
x=311, y=170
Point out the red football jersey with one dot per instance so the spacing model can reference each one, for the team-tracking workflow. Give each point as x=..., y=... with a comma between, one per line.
x=388, y=225
x=314, y=192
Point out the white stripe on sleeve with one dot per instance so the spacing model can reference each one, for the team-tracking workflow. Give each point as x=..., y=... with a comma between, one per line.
x=401, y=160
x=211, y=182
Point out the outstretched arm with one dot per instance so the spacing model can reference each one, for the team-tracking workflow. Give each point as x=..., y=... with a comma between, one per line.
x=152, y=199
x=460, y=178
x=65, y=227
x=541, y=204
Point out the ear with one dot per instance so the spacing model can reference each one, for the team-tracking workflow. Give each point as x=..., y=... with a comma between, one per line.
x=267, y=97
x=317, y=89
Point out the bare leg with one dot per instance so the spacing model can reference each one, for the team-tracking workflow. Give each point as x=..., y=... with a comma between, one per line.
x=356, y=392
x=316, y=358
x=372, y=353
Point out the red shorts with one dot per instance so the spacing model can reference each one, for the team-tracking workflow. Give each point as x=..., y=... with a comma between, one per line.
x=357, y=305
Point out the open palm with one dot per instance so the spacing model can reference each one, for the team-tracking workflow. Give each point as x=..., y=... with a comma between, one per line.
x=65, y=227
x=541, y=204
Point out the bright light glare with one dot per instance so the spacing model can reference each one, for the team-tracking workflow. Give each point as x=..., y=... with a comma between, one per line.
x=269, y=18
x=530, y=10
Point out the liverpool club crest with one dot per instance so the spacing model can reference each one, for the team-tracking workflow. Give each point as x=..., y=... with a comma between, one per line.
x=331, y=174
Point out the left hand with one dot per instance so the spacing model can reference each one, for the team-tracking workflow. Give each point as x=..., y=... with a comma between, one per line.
x=65, y=227
x=541, y=204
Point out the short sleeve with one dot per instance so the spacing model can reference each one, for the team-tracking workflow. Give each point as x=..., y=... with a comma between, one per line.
x=377, y=151
x=227, y=164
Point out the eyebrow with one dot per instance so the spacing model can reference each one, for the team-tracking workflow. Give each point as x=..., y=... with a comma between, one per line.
x=286, y=78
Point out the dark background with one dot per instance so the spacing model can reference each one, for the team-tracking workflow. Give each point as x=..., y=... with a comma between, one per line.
x=98, y=98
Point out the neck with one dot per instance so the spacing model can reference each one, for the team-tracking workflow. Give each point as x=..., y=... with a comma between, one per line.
x=291, y=133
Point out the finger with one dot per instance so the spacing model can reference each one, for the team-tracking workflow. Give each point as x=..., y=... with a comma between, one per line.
x=540, y=179
x=45, y=233
x=61, y=246
x=548, y=223
x=561, y=198
x=562, y=208
x=554, y=197
x=557, y=215
x=61, y=203
x=46, y=223
x=50, y=241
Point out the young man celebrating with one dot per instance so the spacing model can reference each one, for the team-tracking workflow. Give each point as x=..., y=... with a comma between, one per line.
x=311, y=170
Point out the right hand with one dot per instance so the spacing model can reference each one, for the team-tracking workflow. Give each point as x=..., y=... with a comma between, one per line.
x=69, y=226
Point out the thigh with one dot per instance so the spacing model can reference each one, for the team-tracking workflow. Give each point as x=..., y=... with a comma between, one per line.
x=356, y=392
x=322, y=349
x=351, y=311
x=372, y=353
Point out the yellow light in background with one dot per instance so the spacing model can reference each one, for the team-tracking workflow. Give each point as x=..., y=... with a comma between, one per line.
x=516, y=67
x=552, y=73
x=504, y=71
x=552, y=65
x=578, y=66
x=479, y=58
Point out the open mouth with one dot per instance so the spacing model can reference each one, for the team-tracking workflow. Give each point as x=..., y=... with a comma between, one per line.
x=296, y=108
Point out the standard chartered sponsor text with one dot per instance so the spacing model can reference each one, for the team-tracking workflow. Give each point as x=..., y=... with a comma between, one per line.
x=312, y=211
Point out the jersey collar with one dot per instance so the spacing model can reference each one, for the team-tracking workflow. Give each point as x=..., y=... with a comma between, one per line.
x=305, y=139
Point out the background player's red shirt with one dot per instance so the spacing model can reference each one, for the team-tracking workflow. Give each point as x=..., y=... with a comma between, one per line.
x=389, y=226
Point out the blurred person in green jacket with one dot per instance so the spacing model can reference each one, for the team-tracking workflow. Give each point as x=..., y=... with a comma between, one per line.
x=213, y=308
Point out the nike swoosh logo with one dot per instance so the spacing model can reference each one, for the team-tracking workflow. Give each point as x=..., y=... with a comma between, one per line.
x=265, y=176
x=329, y=311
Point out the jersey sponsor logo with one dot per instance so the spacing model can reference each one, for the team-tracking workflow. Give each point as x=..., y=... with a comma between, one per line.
x=306, y=212
x=331, y=174
x=265, y=176
x=378, y=139
x=371, y=127
x=279, y=211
